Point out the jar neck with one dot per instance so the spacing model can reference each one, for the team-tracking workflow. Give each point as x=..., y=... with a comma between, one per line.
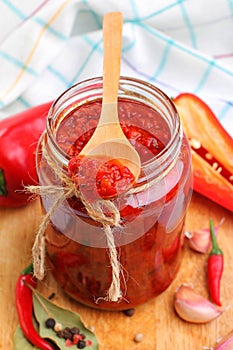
x=130, y=89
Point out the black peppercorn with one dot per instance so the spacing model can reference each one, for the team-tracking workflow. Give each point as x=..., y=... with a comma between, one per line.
x=81, y=344
x=50, y=323
x=67, y=334
x=129, y=312
x=60, y=334
x=75, y=330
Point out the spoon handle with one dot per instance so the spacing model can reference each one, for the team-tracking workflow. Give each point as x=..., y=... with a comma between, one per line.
x=112, y=40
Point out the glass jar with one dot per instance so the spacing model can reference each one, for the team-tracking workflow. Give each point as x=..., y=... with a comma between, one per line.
x=149, y=239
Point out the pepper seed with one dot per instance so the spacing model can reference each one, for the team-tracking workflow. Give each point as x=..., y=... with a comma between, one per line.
x=138, y=338
x=58, y=327
x=91, y=328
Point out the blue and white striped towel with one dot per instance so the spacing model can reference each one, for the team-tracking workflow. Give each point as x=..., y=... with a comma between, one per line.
x=179, y=45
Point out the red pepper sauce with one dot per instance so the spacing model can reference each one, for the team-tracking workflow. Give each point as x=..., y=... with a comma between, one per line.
x=149, y=262
x=99, y=179
x=141, y=124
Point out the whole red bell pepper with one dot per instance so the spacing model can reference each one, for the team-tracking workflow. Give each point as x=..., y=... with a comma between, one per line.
x=19, y=136
x=212, y=149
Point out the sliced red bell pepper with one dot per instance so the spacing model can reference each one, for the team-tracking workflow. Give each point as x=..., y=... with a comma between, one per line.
x=19, y=136
x=212, y=149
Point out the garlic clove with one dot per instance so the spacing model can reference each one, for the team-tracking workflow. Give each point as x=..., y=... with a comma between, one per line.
x=192, y=307
x=200, y=240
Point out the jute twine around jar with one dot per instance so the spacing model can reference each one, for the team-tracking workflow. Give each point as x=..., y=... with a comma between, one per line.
x=96, y=211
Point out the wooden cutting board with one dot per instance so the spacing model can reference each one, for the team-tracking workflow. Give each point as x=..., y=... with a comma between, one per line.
x=156, y=320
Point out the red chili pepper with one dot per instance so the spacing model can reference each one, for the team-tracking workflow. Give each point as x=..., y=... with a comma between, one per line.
x=24, y=308
x=215, y=268
x=212, y=149
x=19, y=136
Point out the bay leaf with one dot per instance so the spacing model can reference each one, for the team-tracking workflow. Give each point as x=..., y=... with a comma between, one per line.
x=43, y=309
x=20, y=342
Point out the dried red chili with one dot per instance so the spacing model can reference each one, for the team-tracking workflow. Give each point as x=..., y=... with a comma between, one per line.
x=215, y=268
x=24, y=308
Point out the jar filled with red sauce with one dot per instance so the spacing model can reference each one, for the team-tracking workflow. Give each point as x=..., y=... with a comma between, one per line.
x=149, y=239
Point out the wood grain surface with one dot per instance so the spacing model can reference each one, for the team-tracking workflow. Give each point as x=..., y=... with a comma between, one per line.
x=156, y=320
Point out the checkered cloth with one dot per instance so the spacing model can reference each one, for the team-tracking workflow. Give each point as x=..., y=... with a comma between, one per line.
x=46, y=46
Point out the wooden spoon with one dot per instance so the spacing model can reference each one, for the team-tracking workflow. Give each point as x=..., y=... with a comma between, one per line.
x=109, y=141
